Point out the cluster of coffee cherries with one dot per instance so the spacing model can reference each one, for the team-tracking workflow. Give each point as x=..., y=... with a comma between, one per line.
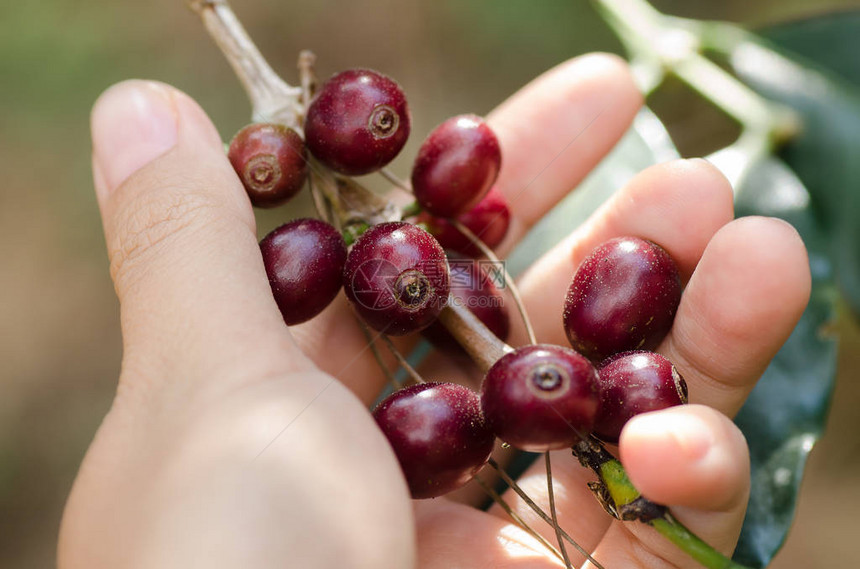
x=399, y=275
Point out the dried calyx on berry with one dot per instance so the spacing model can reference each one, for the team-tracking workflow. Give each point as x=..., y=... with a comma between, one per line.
x=396, y=277
x=541, y=397
x=358, y=122
x=472, y=288
x=271, y=162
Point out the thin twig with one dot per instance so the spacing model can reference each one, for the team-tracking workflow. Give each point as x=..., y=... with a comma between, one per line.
x=511, y=285
x=539, y=511
x=416, y=377
x=516, y=517
x=308, y=77
x=480, y=343
x=320, y=203
x=371, y=341
x=272, y=98
x=553, y=513
x=396, y=180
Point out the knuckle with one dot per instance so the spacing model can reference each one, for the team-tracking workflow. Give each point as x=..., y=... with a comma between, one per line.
x=151, y=220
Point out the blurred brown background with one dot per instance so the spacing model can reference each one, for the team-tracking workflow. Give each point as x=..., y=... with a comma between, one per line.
x=59, y=334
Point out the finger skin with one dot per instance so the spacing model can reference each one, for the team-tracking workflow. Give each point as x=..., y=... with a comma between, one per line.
x=556, y=129
x=704, y=452
x=456, y=536
x=693, y=459
x=741, y=304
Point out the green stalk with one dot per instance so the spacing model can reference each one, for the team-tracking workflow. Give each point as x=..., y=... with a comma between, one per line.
x=674, y=531
x=620, y=498
x=668, y=45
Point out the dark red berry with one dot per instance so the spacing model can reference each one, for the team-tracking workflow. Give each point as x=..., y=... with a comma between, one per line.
x=489, y=221
x=456, y=166
x=304, y=260
x=633, y=383
x=541, y=397
x=438, y=434
x=358, y=122
x=623, y=297
x=396, y=277
x=472, y=288
x=271, y=161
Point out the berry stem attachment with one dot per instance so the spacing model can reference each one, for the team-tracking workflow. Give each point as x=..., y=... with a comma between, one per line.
x=479, y=342
x=539, y=511
x=509, y=281
x=516, y=517
x=272, y=99
x=325, y=207
x=621, y=499
x=553, y=513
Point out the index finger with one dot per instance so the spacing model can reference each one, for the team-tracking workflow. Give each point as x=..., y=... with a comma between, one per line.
x=556, y=129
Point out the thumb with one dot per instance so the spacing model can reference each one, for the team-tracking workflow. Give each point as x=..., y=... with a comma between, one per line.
x=180, y=232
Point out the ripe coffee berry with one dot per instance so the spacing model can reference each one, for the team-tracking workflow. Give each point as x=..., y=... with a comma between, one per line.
x=472, y=288
x=488, y=220
x=358, y=122
x=540, y=397
x=271, y=161
x=396, y=277
x=304, y=260
x=633, y=383
x=623, y=297
x=438, y=434
x=456, y=166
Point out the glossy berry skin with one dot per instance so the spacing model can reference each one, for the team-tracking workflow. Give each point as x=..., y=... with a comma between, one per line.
x=304, y=260
x=472, y=288
x=632, y=383
x=456, y=166
x=439, y=436
x=489, y=220
x=358, y=122
x=541, y=397
x=623, y=297
x=396, y=277
x=271, y=161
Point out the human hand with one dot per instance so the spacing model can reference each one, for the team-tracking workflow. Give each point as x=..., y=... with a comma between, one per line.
x=235, y=441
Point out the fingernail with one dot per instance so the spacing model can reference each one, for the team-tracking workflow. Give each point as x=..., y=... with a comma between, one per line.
x=132, y=123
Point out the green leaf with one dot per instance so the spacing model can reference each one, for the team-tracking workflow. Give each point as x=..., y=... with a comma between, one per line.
x=825, y=154
x=809, y=66
x=830, y=41
x=786, y=411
